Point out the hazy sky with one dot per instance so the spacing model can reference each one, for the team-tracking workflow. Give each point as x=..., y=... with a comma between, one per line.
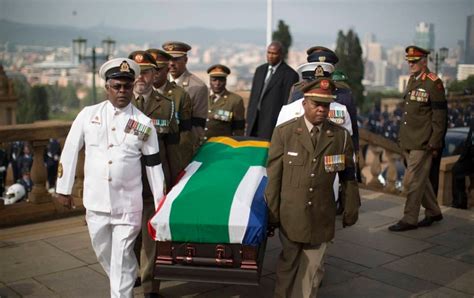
x=392, y=21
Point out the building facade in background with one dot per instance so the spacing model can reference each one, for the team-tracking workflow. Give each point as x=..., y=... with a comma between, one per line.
x=469, y=50
x=425, y=36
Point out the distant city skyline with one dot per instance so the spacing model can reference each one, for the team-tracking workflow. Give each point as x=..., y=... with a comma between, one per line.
x=392, y=21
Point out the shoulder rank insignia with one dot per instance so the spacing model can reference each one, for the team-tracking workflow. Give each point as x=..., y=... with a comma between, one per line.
x=432, y=76
x=334, y=163
x=138, y=129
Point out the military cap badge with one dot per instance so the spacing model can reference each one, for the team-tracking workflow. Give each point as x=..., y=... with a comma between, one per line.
x=324, y=84
x=124, y=67
x=319, y=71
x=139, y=58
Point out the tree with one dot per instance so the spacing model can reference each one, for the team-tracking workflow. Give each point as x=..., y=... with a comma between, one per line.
x=283, y=35
x=39, y=107
x=462, y=87
x=349, y=51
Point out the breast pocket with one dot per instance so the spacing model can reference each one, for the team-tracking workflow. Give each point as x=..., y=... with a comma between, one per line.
x=293, y=170
x=92, y=135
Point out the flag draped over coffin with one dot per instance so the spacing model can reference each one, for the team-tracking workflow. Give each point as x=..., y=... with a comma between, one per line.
x=219, y=199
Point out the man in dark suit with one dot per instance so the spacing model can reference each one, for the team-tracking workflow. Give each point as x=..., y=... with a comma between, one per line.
x=270, y=89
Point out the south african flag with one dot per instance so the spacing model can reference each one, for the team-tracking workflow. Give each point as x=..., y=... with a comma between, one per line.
x=219, y=199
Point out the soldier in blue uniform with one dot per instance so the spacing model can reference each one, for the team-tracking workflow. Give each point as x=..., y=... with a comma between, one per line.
x=51, y=156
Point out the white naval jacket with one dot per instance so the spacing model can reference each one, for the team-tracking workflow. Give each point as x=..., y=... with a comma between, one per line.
x=112, y=168
x=295, y=110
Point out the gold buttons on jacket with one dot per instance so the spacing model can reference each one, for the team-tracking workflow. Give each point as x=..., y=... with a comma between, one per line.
x=311, y=189
x=314, y=159
x=312, y=175
x=310, y=203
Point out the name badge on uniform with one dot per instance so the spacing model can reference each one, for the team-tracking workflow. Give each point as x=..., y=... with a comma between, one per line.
x=222, y=115
x=336, y=116
x=334, y=163
x=419, y=95
x=161, y=126
x=292, y=153
x=138, y=129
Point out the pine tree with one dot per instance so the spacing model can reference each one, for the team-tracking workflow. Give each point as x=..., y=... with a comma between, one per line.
x=283, y=35
x=349, y=51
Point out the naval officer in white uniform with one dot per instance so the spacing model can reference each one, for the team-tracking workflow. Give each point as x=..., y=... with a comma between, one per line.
x=116, y=135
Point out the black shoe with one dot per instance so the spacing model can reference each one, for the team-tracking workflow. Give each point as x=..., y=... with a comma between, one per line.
x=401, y=227
x=429, y=220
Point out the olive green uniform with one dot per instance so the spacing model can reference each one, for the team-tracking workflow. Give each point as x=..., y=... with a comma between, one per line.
x=300, y=198
x=422, y=129
x=181, y=153
x=198, y=93
x=161, y=110
x=226, y=116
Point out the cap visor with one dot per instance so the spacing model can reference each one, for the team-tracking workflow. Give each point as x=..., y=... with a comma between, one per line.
x=121, y=75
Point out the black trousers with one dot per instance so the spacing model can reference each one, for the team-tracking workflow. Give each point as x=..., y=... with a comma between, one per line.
x=461, y=169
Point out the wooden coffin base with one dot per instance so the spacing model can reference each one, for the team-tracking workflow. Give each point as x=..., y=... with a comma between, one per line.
x=212, y=263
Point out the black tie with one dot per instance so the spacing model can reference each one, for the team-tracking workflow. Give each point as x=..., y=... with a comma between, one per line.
x=314, y=135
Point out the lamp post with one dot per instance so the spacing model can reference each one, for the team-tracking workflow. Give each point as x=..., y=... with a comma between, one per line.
x=79, y=49
x=440, y=56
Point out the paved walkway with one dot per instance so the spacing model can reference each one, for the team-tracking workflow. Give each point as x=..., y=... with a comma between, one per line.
x=55, y=259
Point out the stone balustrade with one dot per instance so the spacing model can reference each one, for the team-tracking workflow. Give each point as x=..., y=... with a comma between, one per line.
x=376, y=155
x=40, y=203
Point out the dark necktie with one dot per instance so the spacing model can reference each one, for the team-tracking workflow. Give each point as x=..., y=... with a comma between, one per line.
x=314, y=135
x=268, y=77
x=141, y=103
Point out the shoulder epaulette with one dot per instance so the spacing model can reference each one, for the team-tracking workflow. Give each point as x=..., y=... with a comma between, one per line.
x=432, y=76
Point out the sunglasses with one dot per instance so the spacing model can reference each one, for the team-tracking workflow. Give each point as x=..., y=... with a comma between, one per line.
x=118, y=87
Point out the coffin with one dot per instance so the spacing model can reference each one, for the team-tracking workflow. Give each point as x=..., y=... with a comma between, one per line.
x=211, y=227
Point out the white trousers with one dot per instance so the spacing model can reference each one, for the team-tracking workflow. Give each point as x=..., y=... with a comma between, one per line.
x=112, y=238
